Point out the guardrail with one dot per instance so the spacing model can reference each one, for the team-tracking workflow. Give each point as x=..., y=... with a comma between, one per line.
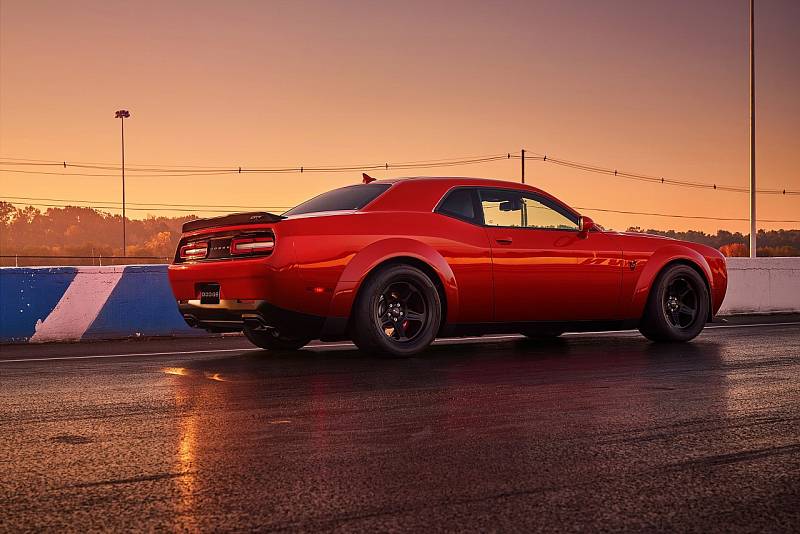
x=24, y=260
x=83, y=303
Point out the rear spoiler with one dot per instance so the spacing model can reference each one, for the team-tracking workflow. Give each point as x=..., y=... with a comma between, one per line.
x=254, y=217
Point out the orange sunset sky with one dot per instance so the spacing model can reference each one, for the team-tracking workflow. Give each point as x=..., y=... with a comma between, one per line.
x=656, y=87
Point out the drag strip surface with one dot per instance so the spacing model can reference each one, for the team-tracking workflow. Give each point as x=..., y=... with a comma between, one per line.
x=198, y=346
x=591, y=431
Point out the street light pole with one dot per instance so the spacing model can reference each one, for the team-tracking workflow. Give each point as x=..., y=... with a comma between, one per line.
x=753, y=225
x=122, y=115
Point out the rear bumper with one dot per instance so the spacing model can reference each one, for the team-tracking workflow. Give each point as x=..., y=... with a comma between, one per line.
x=238, y=279
x=265, y=292
x=233, y=315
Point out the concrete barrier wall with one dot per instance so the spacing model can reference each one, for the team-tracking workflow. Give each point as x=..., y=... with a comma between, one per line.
x=80, y=303
x=762, y=285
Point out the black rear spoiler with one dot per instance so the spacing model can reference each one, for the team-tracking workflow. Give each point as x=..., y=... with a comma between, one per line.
x=254, y=217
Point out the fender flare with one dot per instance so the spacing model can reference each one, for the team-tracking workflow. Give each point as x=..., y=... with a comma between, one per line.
x=656, y=263
x=365, y=261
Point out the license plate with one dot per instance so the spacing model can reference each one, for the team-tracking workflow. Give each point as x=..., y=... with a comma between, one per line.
x=209, y=293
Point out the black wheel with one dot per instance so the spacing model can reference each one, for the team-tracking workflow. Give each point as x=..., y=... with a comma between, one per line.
x=273, y=340
x=677, y=307
x=541, y=333
x=397, y=312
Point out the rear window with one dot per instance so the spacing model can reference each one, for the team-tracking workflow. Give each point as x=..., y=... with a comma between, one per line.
x=353, y=197
x=459, y=203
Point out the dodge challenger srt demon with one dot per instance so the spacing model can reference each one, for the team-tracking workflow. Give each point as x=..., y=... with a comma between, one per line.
x=392, y=264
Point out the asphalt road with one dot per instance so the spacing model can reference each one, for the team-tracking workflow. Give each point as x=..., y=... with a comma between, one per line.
x=594, y=431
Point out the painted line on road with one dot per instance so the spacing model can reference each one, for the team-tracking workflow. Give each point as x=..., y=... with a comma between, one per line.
x=454, y=341
x=749, y=325
x=100, y=356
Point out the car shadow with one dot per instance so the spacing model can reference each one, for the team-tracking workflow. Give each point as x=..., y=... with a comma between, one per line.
x=472, y=361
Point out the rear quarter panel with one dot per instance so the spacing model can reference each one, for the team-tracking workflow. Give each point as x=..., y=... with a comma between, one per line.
x=335, y=253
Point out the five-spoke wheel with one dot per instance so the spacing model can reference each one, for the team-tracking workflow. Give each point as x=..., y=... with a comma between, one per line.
x=680, y=302
x=677, y=307
x=397, y=313
x=401, y=311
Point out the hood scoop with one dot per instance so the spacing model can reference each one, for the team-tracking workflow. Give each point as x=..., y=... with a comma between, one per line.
x=234, y=219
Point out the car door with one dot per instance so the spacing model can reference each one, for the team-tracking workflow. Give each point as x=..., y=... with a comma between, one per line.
x=464, y=244
x=543, y=269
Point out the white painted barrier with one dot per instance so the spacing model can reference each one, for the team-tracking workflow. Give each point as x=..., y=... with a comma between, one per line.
x=762, y=285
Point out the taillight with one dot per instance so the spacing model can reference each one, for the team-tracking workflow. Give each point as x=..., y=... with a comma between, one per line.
x=252, y=245
x=194, y=251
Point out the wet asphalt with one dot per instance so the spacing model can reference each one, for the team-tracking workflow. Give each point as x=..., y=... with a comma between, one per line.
x=591, y=432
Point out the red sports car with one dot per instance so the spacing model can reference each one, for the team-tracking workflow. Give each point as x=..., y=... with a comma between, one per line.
x=393, y=264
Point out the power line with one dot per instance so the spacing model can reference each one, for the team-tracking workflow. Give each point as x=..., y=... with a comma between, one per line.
x=14, y=199
x=604, y=210
x=676, y=216
x=164, y=171
x=105, y=175
x=151, y=172
x=24, y=161
x=158, y=166
x=652, y=179
x=98, y=206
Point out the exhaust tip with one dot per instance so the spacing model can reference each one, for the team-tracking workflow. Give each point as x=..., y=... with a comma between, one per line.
x=255, y=322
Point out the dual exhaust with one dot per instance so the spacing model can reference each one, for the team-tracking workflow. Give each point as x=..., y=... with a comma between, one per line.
x=253, y=321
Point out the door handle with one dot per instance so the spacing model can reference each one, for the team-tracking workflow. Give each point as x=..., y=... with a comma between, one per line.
x=504, y=240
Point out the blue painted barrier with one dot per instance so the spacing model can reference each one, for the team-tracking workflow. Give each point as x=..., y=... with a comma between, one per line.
x=80, y=303
x=28, y=295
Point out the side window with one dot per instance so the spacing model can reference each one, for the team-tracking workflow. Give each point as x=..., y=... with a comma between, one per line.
x=519, y=209
x=540, y=215
x=460, y=203
x=501, y=208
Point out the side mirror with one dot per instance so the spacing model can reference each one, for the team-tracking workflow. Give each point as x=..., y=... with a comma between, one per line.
x=510, y=205
x=586, y=226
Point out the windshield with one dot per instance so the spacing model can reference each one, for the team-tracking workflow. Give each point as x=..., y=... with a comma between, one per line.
x=353, y=197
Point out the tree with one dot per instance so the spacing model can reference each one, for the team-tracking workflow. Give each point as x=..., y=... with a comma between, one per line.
x=735, y=250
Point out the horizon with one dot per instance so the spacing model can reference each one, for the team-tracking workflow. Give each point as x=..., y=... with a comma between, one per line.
x=249, y=85
x=86, y=236
x=141, y=214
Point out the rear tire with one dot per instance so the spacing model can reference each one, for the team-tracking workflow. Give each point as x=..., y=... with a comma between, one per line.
x=677, y=307
x=397, y=312
x=273, y=340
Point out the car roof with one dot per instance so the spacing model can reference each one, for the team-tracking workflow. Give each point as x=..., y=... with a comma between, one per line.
x=424, y=192
x=465, y=180
x=456, y=181
x=449, y=182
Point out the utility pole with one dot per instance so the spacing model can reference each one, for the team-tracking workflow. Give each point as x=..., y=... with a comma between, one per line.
x=753, y=225
x=522, y=159
x=122, y=115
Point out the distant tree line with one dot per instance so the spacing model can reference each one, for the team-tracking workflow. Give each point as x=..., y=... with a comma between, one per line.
x=76, y=231
x=770, y=243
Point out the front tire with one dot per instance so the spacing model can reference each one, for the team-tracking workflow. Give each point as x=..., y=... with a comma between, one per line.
x=677, y=307
x=273, y=340
x=397, y=313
